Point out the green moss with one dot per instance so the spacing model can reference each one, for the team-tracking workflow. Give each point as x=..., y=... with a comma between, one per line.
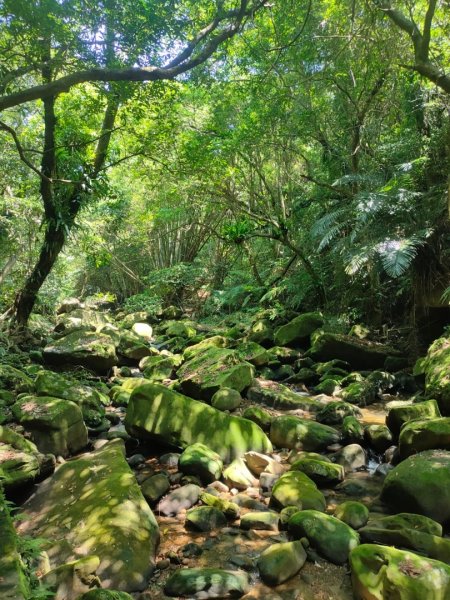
x=298, y=330
x=399, y=415
x=436, y=367
x=427, y=434
x=295, y=488
x=303, y=434
x=324, y=473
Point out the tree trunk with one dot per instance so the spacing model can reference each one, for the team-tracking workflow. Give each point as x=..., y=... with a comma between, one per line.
x=26, y=299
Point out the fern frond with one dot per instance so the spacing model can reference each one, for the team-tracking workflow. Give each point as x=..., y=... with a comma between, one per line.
x=321, y=226
x=398, y=255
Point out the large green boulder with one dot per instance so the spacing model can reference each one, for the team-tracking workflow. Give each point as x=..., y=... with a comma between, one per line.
x=353, y=513
x=120, y=393
x=91, y=350
x=421, y=484
x=361, y=354
x=322, y=472
x=205, y=518
x=158, y=368
x=14, y=379
x=13, y=582
x=93, y=505
x=90, y=400
x=215, y=368
x=333, y=539
x=294, y=488
x=156, y=413
x=56, y=426
x=360, y=393
x=297, y=331
x=334, y=413
x=201, y=461
x=436, y=367
x=253, y=353
x=279, y=396
x=426, y=434
x=226, y=399
x=184, y=329
x=216, y=341
x=303, y=434
x=207, y=583
x=261, y=332
x=280, y=562
x=399, y=415
x=132, y=346
x=381, y=572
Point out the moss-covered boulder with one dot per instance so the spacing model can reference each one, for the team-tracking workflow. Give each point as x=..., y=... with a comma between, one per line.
x=361, y=354
x=322, y=472
x=154, y=487
x=333, y=539
x=278, y=396
x=421, y=484
x=427, y=434
x=297, y=331
x=352, y=430
x=261, y=332
x=303, y=434
x=100, y=594
x=13, y=582
x=132, y=346
x=353, y=513
x=280, y=562
x=226, y=399
x=259, y=416
x=56, y=426
x=379, y=437
x=18, y=466
x=213, y=369
x=158, y=368
x=156, y=413
x=360, y=393
x=295, y=488
x=201, y=461
x=436, y=368
x=399, y=415
x=14, y=379
x=216, y=341
x=90, y=400
x=120, y=393
x=184, y=329
x=207, y=583
x=229, y=509
x=238, y=475
x=91, y=350
x=380, y=571
x=205, y=518
x=334, y=413
x=93, y=505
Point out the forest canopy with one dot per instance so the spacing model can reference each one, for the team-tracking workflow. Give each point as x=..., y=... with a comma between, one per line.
x=226, y=155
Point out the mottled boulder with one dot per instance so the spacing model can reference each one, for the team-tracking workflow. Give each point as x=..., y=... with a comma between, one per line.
x=203, y=583
x=292, y=432
x=427, y=434
x=56, y=426
x=436, y=368
x=213, y=369
x=93, y=505
x=156, y=413
x=322, y=472
x=201, y=461
x=333, y=539
x=421, y=484
x=361, y=354
x=280, y=562
x=279, y=396
x=91, y=350
x=297, y=331
x=216, y=341
x=334, y=413
x=353, y=513
x=180, y=499
x=399, y=415
x=294, y=488
x=379, y=571
x=13, y=582
x=205, y=518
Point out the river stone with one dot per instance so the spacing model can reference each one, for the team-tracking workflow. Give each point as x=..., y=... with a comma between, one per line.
x=353, y=513
x=238, y=475
x=292, y=432
x=204, y=583
x=428, y=434
x=253, y=353
x=13, y=581
x=205, y=518
x=408, y=521
x=20, y=460
x=201, y=461
x=261, y=332
x=280, y=562
x=93, y=505
x=99, y=594
x=213, y=369
x=379, y=437
x=297, y=331
x=268, y=521
x=257, y=463
x=132, y=346
x=278, y=396
x=323, y=473
x=155, y=487
x=333, y=539
x=399, y=415
x=352, y=430
x=259, y=416
x=294, y=488
x=379, y=571
x=226, y=399
x=216, y=341
x=143, y=330
x=352, y=457
x=178, y=500
x=56, y=426
x=361, y=354
x=158, y=368
x=156, y=413
x=427, y=492
x=436, y=367
x=360, y=393
x=433, y=546
x=229, y=509
x=91, y=350
x=334, y=413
